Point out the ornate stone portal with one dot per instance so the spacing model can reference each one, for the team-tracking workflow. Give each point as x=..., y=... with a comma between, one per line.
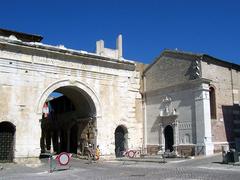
x=168, y=119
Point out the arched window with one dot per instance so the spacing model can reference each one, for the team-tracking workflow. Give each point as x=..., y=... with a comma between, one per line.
x=187, y=139
x=212, y=102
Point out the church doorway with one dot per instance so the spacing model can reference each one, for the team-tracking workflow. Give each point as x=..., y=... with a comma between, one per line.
x=121, y=136
x=168, y=135
x=68, y=121
x=7, y=133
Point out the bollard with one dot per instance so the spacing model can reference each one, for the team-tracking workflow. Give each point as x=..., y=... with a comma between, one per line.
x=50, y=163
x=234, y=156
x=225, y=154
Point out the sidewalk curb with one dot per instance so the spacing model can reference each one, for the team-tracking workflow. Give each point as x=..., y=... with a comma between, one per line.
x=143, y=160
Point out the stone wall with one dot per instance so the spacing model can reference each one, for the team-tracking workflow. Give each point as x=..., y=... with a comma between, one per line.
x=169, y=77
x=29, y=74
x=226, y=82
x=168, y=70
x=183, y=102
x=176, y=78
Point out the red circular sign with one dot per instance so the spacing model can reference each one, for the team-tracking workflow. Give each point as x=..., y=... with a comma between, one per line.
x=131, y=153
x=63, y=158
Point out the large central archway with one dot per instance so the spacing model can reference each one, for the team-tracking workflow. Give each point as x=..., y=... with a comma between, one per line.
x=83, y=88
x=69, y=118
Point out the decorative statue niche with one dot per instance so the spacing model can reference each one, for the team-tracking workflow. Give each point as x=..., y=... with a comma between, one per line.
x=166, y=107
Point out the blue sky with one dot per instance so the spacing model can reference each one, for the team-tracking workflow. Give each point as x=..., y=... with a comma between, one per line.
x=147, y=26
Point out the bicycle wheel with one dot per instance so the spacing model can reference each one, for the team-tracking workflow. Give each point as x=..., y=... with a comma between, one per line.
x=137, y=153
x=96, y=157
x=89, y=158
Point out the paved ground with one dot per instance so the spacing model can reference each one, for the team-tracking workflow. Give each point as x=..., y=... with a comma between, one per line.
x=199, y=168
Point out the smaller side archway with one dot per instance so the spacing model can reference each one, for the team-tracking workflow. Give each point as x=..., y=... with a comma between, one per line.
x=7, y=134
x=168, y=135
x=121, y=144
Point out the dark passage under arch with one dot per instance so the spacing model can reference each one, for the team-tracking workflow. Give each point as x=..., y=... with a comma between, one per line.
x=7, y=132
x=168, y=134
x=120, y=140
x=68, y=122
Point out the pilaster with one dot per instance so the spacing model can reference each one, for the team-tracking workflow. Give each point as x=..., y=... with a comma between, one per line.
x=203, y=120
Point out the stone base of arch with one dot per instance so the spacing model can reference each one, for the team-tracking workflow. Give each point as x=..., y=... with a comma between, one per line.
x=28, y=145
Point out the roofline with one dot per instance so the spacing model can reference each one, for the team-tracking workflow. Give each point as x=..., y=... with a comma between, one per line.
x=204, y=57
x=40, y=46
x=167, y=52
x=34, y=37
x=211, y=59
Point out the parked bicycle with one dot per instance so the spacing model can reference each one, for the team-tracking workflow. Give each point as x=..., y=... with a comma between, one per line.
x=92, y=155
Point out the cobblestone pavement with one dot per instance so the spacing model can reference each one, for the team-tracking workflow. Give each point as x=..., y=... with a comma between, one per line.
x=189, y=169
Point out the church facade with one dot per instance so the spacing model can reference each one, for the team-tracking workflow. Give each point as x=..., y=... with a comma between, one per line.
x=191, y=103
x=56, y=99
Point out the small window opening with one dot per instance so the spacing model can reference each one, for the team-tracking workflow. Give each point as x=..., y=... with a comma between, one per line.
x=212, y=102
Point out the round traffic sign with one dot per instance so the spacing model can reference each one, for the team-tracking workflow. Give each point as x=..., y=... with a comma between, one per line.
x=63, y=158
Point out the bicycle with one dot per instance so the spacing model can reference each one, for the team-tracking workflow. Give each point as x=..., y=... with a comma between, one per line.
x=92, y=155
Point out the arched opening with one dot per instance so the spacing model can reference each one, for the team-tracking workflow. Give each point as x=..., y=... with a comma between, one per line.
x=7, y=132
x=168, y=134
x=186, y=139
x=121, y=136
x=68, y=121
x=212, y=96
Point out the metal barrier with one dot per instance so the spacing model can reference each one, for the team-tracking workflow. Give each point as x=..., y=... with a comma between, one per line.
x=60, y=160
